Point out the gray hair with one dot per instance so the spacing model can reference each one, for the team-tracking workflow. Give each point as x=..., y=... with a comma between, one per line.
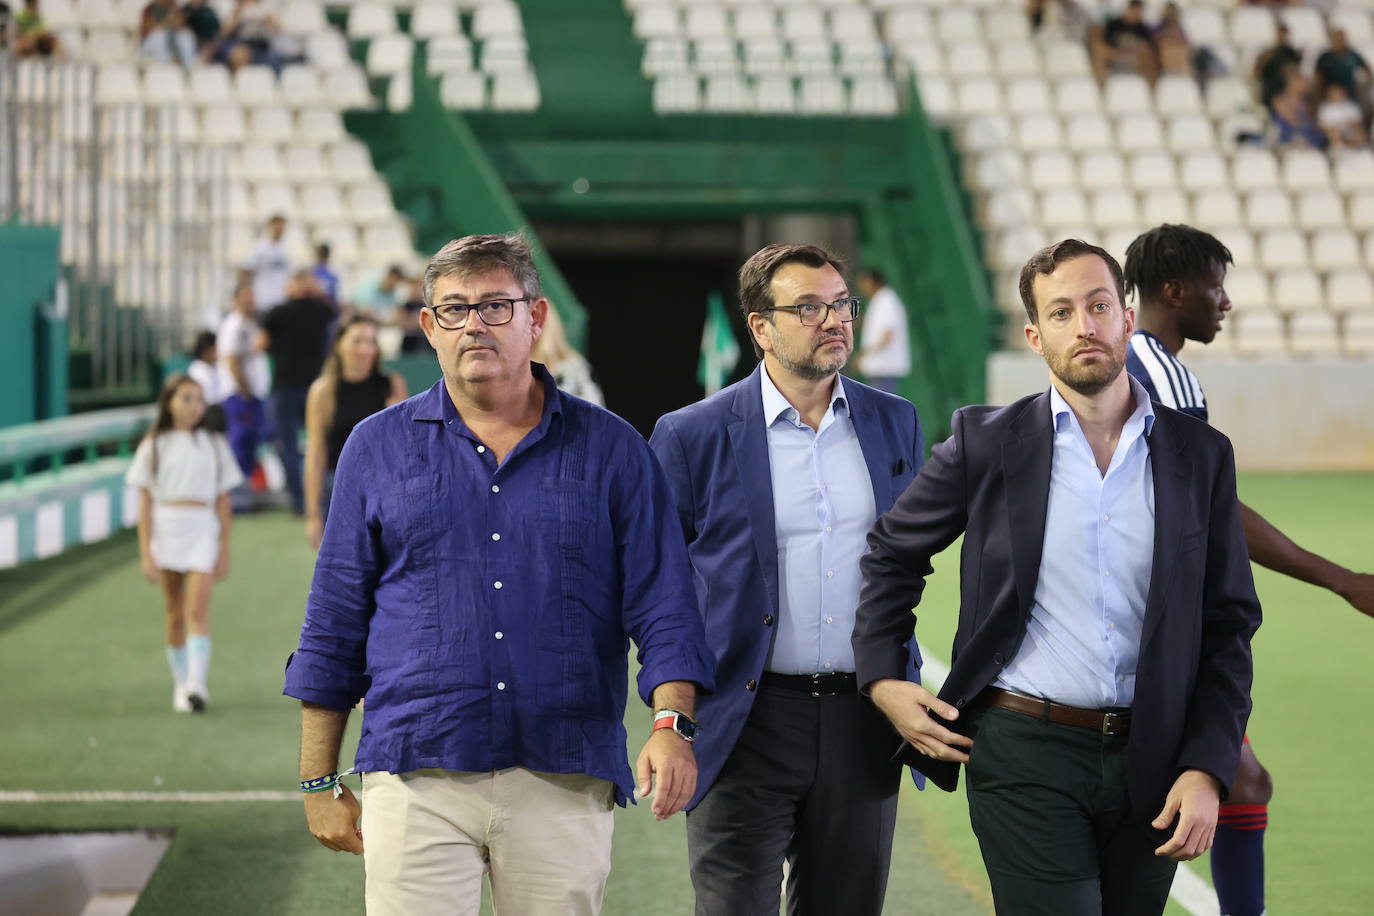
x=479, y=254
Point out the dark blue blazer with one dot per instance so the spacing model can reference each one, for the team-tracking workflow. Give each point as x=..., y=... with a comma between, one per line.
x=715, y=453
x=990, y=483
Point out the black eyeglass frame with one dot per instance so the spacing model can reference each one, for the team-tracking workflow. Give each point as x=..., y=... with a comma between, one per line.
x=854, y=304
x=477, y=308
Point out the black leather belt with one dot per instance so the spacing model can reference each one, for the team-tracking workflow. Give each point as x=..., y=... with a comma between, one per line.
x=817, y=685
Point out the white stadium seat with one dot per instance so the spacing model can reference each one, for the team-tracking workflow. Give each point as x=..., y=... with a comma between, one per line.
x=1201, y=171
x=1063, y=206
x=1089, y=133
x=1138, y=133
x=1254, y=170
x=1320, y=210
x=677, y=92
x=1009, y=207
x=1281, y=249
x=1268, y=210
x=1127, y=94
x=1306, y=170
x=1152, y=171
x=1248, y=289
x=256, y=84
x=1050, y=170
x=1164, y=205
x=1177, y=95
x=1314, y=333
x=1039, y=132
x=389, y=55
x=1258, y=332
x=822, y=94
x=496, y=20
x=431, y=20
x=1191, y=133
x=1028, y=95
x=755, y=22
x=1358, y=334
x=1349, y=291
x=979, y=96
x=1115, y=209
x=1102, y=171
x=1354, y=171
x=1217, y=207
x=368, y=20
x=1335, y=249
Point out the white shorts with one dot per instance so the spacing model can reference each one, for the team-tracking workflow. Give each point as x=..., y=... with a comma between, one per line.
x=185, y=538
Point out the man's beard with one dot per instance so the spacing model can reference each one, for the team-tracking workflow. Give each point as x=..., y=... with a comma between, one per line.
x=1086, y=378
x=809, y=368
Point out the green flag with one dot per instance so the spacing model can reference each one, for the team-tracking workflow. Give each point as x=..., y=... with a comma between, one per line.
x=719, y=351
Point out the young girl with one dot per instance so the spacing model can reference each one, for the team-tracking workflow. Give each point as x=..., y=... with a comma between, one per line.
x=352, y=386
x=184, y=472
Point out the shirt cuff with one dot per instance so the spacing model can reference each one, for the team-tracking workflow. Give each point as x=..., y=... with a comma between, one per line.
x=693, y=667
x=318, y=681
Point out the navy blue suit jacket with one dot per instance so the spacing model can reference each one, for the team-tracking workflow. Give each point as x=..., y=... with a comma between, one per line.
x=715, y=453
x=990, y=482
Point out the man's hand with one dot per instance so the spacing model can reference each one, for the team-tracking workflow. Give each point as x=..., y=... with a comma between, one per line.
x=334, y=821
x=1358, y=589
x=667, y=756
x=1194, y=798
x=908, y=707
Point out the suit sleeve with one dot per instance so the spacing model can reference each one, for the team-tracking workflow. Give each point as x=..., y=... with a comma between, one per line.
x=667, y=447
x=926, y=519
x=1220, y=704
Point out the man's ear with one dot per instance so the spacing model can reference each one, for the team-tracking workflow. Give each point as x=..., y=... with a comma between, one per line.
x=1033, y=338
x=757, y=322
x=1172, y=293
x=539, y=311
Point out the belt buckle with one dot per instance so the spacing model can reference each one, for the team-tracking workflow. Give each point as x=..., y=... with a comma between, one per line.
x=1107, y=728
x=815, y=686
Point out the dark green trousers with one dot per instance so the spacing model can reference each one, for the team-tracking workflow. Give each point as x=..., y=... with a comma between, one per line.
x=1049, y=806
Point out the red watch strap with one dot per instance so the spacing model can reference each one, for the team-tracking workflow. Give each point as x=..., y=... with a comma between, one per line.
x=665, y=722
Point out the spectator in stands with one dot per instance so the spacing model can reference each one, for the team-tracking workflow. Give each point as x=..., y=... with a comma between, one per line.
x=294, y=334
x=203, y=21
x=1172, y=44
x=31, y=35
x=884, y=355
x=1292, y=115
x=254, y=28
x=1343, y=65
x=382, y=296
x=1126, y=45
x=352, y=386
x=1341, y=120
x=183, y=473
x=163, y=35
x=203, y=371
x=413, y=339
x=1065, y=18
x=569, y=368
x=325, y=277
x=245, y=379
x=270, y=265
x=1274, y=64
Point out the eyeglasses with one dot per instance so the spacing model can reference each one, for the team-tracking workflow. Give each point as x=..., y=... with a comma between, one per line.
x=815, y=314
x=493, y=312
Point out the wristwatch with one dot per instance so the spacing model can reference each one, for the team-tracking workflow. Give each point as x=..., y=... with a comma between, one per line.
x=679, y=722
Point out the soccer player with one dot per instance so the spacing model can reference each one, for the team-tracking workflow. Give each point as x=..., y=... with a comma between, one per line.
x=1177, y=274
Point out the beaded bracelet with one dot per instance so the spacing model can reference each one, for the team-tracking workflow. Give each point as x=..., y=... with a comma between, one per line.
x=325, y=783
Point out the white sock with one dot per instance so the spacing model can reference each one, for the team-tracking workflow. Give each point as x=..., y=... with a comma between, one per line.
x=198, y=656
x=176, y=660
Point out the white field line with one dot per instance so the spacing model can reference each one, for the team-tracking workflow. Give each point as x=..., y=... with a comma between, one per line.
x=1189, y=891
x=31, y=798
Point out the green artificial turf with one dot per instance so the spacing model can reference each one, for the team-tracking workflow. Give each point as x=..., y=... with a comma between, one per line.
x=87, y=707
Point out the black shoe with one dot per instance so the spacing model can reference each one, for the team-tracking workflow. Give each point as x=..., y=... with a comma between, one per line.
x=197, y=702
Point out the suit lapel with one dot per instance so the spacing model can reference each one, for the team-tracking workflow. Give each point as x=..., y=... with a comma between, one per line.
x=749, y=439
x=873, y=443
x=1026, y=476
x=1170, y=474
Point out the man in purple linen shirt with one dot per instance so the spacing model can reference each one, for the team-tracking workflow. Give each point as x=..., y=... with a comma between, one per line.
x=492, y=545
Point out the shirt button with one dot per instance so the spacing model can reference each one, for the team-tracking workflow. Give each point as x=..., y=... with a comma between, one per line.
x=1106, y=518
x=495, y=536
x=751, y=684
x=496, y=585
x=481, y=449
x=1111, y=626
x=500, y=685
x=450, y=422
x=1121, y=677
x=500, y=635
x=827, y=528
x=827, y=664
x=1107, y=573
x=830, y=573
x=495, y=488
x=830, y=620
x=768, y=620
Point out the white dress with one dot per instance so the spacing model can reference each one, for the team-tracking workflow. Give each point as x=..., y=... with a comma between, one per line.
x=190, y=466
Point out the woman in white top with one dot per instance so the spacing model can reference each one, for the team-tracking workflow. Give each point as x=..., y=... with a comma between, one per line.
x=184, y=473
x=569, y=368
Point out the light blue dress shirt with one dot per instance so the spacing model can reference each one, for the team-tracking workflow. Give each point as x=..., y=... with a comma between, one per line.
x=822, y=508
x=1083, y=637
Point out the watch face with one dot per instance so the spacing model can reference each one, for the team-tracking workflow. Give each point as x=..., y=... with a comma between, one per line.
x=686, y=727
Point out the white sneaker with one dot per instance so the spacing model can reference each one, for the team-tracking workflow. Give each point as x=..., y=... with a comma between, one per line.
x=180, y=701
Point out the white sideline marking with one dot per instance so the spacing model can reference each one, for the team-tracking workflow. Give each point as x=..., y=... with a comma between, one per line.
x=1189, y=890
x=30, y=798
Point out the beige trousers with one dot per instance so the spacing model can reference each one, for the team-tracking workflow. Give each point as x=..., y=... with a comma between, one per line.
x=430, y=835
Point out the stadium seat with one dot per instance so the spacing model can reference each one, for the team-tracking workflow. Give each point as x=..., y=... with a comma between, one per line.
x=209, y=85
x=728, y=94
x=389, y=55
x=1066, y=59
x=1217, y=207
x=1152, y=171
x=705, y=22
x=1306, y=27
x=463, y=91
x=1252, y=27
x=1205, y=26
x=1191, y=133
x=273, y=197
x=984, y=133
x=1063, y=206
x=715, y=56
x=369, y=20
x=862, y=57
x=822, y=94
x=755, y=22
x=496, y=20
x=514, y=92
x=432, y=20
x=998, y=169
x=303, y=17
x=319, y=126
x=255, y=85
x=936, y=97
x=1013, y=246
x=385, y=243
x=1355, y=21
x=223, y=124
x=1314, y=333
x=350, y=162
x=1259, y=332
x=764, y=55
x=1139, y=133
x=873, y=95
x=1357, y=335
x=1320, y=210
x=774, y=94
x=1115, y=209
x=260, y=162
x=322, y=203
x=853, y=24
x=1016, y=60
x=677, y=93
x=102, y=14
x=1306, y=170
x=306, y=164
x=164, y=84
x=1241, y=244
x=1102, y=171
x=342, y=239
x=1089, y=133
x=1009, y=207
x=1127, y=94
x=657, y=22
x=1164, y=205
x=925, y=58
x=661, y=56
x=1177, y=95
x=271, y=124
x=978, y=96
x=1268, y=210
x=970, y=66
x=1050, y=170
x=346, y=87
x=1248, y=289
x=369, y=202
x=1354, y=171
x=812, y=56
x=956, y=25
x=400, y=91
x=907, y=24
x=1228, y=94
x=1282, y=249
x=1006, y=27
x=1039, y=132
x=1027, y=95
x=1202, y=171
x=327, y=50
x=1335, y=249
x=1254, y=170
x=107, y=47
x=300, y=86
x=504, y=54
